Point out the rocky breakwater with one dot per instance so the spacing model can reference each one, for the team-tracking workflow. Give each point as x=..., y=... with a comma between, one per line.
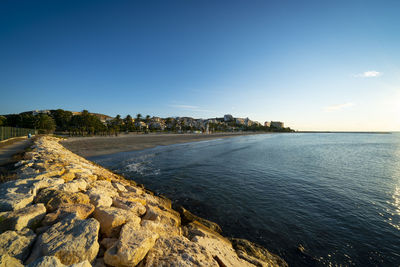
x=64, y=210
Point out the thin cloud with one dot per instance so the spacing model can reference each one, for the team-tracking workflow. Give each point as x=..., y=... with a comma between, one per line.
x=369, y=74
x=338, y=107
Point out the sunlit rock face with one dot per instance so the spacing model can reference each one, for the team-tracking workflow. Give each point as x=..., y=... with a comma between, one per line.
x=77, y=213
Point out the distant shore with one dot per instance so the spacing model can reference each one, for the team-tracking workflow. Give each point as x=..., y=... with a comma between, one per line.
x=103, y=145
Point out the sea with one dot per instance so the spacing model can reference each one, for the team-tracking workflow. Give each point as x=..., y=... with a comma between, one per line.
x=315, y=199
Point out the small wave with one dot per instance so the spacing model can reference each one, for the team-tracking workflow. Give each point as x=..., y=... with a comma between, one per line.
x=141, y=165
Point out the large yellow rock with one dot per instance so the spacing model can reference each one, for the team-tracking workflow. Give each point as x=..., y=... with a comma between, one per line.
x=111, y=220
x=131, y=247
x=16, y=243
x=71, y=240
x=29, y=217
x=53, y=199
x=179, y=251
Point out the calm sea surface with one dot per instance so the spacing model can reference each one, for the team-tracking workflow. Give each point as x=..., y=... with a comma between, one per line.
x=336, y=195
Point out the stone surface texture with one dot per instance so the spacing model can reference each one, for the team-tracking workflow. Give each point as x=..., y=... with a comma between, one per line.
x=64, y=210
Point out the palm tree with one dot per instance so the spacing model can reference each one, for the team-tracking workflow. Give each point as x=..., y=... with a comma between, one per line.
x=138, y=117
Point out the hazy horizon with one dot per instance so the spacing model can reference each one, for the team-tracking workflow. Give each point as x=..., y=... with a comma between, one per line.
x=326, y=66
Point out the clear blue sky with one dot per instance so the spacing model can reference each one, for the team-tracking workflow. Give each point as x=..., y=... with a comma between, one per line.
x=316, y=65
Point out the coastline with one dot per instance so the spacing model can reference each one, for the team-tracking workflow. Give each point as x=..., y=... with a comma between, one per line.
x=64, y=209
x=103, y=145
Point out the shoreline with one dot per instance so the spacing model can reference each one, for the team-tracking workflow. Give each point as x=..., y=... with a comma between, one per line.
x=64, y=209
x=105, y=145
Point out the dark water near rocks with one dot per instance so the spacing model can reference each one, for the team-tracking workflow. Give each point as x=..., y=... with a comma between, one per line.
x=336, y=195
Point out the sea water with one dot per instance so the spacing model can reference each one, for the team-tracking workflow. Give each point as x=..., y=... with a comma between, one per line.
x=313, y=199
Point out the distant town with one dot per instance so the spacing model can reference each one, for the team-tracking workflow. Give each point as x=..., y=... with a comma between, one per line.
x=86, y=123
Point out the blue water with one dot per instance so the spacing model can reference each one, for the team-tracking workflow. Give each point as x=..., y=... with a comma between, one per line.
x=336, y=195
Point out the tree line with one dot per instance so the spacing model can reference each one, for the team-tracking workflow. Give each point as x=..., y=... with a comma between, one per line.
x=86, y=123
x=63, y=121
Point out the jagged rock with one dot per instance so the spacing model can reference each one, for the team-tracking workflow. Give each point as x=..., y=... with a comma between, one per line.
x=218, y=246
x=131, y=247
x=164, y=230
x=16, y=244
x=188, y=217
x=47, y=261
x=111, y=219
x=71, y=240
x=157, y=201
x=74, y=186
x=29, y=216
x=85, y=263
x=52, y=261
x=256, y=254
x=101, y=193
x=165, y=216
x=119, y=186
x=100, y=200
x=68, y=176
x=129, y=204
x=8, y=261
x=17, y=194
x=81, y=211
x=53, y=199
x=132, y=197
x=178, y=251
x=135, y=190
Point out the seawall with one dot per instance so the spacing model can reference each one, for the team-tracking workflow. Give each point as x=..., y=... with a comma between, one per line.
x=64, y=210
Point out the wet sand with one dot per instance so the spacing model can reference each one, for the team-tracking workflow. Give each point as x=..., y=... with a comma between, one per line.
x=99, y=145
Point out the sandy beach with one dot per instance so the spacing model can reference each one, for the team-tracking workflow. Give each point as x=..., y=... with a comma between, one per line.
x=99, y=145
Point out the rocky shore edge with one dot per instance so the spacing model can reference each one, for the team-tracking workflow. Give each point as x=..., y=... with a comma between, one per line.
x=63, y=210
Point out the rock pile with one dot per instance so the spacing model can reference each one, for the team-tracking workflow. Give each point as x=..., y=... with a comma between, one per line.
x=64, y=210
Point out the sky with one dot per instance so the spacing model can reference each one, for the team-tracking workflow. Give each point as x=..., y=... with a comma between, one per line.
x=315, y=65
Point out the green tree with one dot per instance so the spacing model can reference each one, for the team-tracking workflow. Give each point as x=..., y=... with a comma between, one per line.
x=45, y=123
x=3, y=120
x=128, y=122
x=139, y=117
x=62, y=119
x=147, y=120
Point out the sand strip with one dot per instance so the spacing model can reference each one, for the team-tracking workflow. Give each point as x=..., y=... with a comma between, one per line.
x=99, y=145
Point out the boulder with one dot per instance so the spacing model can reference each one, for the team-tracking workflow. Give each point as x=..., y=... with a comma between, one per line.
x=111, y=220
x=129, y=204
x=29, y=217
x=164, y=230
x=85, y=263
x=163, y=215
x=68, y=176
x=256, y=254
x=188, y=217
x=47, y=261
x=53, y=198
x=74, y=186
x=119, y=186
x=131, y=247
x=218, y=246
x=178, y=251
x=71, y=240
x=17, y=194
x=52, y=261
x=81, y=211
x=101, y=193
x=8, y=261
x=16, y=244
